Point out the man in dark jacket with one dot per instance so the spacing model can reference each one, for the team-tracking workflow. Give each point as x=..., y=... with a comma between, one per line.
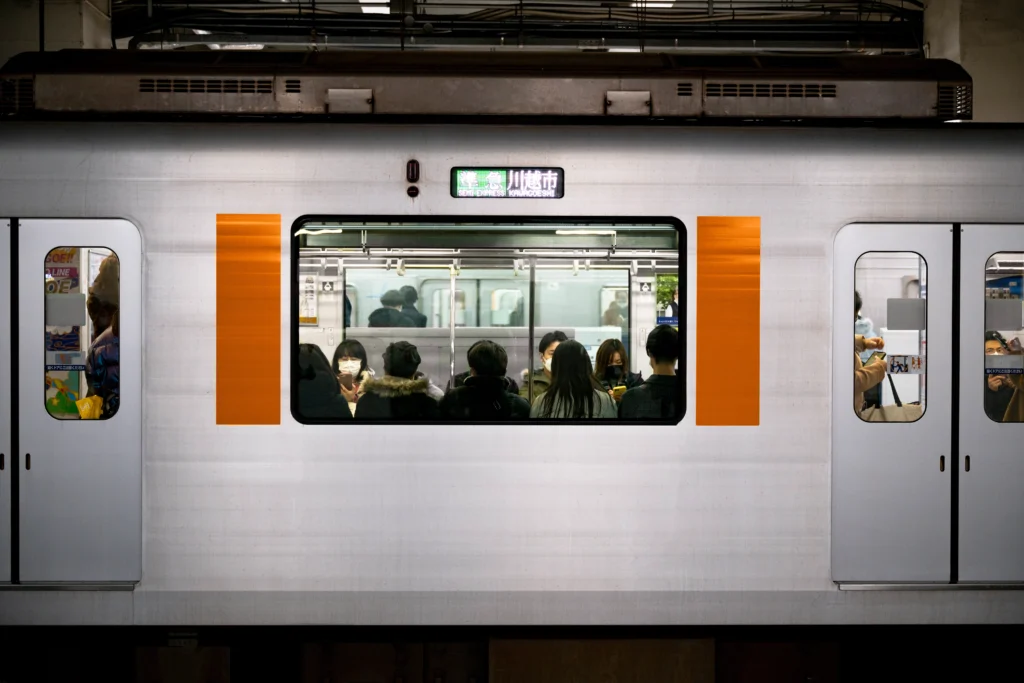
x=410, y=297
x=485, y=394
x=399, y=395
x=659, y=396
x=390, y=312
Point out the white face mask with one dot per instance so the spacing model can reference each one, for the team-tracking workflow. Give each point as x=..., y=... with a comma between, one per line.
x=349, y=367
x=547, y=364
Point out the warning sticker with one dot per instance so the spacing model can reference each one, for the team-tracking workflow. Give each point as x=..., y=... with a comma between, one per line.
x=906, y=365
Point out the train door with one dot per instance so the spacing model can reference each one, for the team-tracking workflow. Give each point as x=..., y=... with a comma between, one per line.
x=5, y=400
x=891, y=433
x=79, y=406
x=991, y=468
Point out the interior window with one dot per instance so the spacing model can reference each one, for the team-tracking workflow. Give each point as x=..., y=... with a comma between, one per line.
x=82, y=294
x=1004, y=327
x=890, y=326
x=471, y=317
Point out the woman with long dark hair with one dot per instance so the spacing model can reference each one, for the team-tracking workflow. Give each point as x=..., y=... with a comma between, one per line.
x=352, y=369
x=612, y=368
x=574, y=392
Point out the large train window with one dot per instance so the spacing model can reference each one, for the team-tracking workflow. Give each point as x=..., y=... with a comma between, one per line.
x=890, y=326
x=487, y=322
x=1004, y=327
x=82, y=376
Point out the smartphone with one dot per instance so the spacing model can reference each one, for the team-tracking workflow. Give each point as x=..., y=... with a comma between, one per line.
x=346, y=381
x=619, y=391
x=1014, y=345
x=877, y=355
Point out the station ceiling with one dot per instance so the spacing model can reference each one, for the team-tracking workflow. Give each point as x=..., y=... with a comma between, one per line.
x=782, y=26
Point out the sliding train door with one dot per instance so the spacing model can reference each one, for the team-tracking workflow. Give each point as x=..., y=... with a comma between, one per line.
x=5, y=400
x=79, y=401
x=891, y=435
x=991, y=468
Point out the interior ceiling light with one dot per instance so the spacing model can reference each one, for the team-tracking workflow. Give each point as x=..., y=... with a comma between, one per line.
x=376, y=6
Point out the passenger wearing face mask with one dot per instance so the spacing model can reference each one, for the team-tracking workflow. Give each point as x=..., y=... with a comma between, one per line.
x=658, y=397
x=352, y=370
x=612, y=369
x=540, y=380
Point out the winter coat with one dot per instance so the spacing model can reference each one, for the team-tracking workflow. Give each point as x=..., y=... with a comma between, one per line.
x=319, y=393
x=604, y=408
x=103, y=371
x=628, y=380
x=417, y=318
x=996, y=402
x=461, y=378
x=482, y=399
x=364, y=377
x=389, y=317
x=654, y=399
x=540, y=383
x=397, y=398
x=864, y=376
x=1015, y=411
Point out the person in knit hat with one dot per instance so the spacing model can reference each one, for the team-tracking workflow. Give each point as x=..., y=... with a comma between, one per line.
x=104, y=295
x=102, y=363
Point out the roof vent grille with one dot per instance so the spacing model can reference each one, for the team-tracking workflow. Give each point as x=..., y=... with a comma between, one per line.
x=788, y=90
x=17, y=95
x=955, y=101
x=684, y=89
x=293, y=86
x=207, y=86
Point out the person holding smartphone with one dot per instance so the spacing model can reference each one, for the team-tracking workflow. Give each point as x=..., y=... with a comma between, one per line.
x=867, y=376
x=1015, y=409
x=352, y=370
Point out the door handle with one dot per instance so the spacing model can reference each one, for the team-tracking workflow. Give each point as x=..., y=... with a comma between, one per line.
x=28, y=461
x=967, y=463
x=942, y=463
x=1, y=462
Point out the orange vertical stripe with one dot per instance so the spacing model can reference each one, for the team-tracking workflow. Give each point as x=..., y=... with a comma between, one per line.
x=248, y=319
x=728, y=321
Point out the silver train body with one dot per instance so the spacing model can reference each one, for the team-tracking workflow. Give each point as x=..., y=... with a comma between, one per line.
x=525, y=524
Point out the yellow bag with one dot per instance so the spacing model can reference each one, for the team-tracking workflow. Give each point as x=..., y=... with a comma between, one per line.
x=90, y=407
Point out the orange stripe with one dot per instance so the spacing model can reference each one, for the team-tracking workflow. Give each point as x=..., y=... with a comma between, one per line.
x=248, y=319
x=728, y=321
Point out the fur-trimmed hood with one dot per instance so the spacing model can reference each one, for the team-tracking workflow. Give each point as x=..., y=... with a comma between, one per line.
x=394, y=387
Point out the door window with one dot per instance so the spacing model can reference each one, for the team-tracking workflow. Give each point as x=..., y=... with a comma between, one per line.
x=890, y=326
x=82, y=340
x=1004, y=322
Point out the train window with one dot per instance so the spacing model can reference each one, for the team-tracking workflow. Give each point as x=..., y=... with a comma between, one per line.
x=82, y=294
x=463, y=322
x=1004, y=327
x=890, y=326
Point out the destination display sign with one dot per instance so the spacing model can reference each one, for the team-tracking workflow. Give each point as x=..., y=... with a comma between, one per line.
x=508, y=183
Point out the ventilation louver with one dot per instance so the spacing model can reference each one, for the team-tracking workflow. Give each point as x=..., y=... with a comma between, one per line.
x=684, y=89
x=955, y=102
x=207, y=86
x=800, y=90
x=293, y=86
x=17, y=95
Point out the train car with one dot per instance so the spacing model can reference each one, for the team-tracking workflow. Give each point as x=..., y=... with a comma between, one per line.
x=209, y=231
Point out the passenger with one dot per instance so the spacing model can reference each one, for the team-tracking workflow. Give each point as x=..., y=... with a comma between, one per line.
x=672, y=310
x=353, y=370
x=433, y=391
x=390, y=312
x=319, y=392
x=410, y=297
x=398, y=395
x=612, y=368
x=541, y=378
x=613, y=316
x=485, y=394
x=656, y=398
x=866, y=376
x=103, y=367
x=460, y=379
x=104, y=295
x=573, y=392
x=1015, y=411
x=998, y=388
x=864, y=327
